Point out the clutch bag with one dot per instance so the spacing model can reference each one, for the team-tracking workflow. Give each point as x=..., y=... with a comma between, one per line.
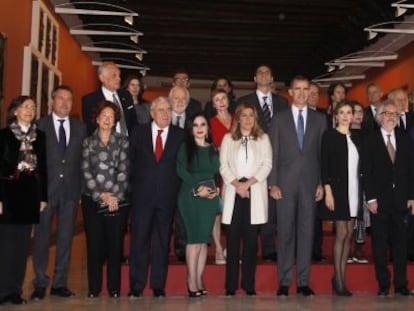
x=209, y=183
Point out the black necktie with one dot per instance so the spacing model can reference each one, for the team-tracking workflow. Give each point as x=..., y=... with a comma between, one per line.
x=62, y=137
x=402, y=124
x=266, y=113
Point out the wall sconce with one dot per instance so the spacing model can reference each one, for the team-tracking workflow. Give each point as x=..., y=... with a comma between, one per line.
x=401, y=7
x=112, y=10
x=375, y=29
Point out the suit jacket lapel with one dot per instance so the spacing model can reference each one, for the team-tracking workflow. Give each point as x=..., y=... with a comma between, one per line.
x=51, y=132
x=310, y=121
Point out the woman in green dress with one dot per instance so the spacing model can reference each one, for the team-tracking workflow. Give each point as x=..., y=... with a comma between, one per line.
x=197, y=166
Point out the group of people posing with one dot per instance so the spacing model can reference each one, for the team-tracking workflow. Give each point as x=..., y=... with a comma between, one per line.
x=253, y=166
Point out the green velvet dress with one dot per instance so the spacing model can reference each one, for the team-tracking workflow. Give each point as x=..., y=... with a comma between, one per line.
x=198, y=214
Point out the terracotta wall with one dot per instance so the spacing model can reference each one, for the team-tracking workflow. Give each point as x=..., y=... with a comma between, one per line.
x=397, y=73
x=15, y=21
x=76, y=68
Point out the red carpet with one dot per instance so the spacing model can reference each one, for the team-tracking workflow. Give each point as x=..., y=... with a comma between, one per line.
x=360, y=277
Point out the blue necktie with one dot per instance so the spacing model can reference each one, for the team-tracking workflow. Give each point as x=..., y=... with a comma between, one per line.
x=62, y=137
x=300, y=131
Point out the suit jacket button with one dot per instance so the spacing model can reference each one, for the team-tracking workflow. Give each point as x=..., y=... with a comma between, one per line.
x=61, y=176
x=63, y=161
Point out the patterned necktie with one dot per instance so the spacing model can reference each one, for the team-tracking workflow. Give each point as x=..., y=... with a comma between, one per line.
x=122, y=122
x=62, y=137
x=158, y=146
x=390, y=148
x=300, y=130
x=177, y=121
x=266, y=113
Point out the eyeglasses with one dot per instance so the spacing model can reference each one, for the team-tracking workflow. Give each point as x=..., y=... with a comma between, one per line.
x=181, y=79
x=390, y=114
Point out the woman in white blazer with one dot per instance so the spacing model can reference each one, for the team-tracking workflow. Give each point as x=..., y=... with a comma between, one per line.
x=245, y=163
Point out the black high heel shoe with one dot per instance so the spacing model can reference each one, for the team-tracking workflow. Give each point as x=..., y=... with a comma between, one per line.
x=195, y=294
x=203, y=292
x=339, y=289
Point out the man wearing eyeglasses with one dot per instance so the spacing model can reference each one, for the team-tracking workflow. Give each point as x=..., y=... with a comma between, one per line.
x=182, y=78
x=400, y=98
x=388, y=185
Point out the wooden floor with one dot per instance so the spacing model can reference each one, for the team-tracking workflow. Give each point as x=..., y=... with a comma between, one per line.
x=216, y=302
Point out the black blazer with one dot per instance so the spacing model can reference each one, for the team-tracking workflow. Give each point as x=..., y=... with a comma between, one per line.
x=368, y=122
x=154, y=183
x=392, y=184
x=279, y=104
x=335, y=169
x=90, y=101
x=64, y=173
x=194, y=107
x=21, y=199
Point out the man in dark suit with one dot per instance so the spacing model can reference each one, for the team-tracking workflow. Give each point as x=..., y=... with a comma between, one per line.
x=296, y=136
x=317, y=255
x=179, y=99
x=400, y=98
x=154, y=187
x=182, y=78
x=374, y=94
x=389, y=190
x=267, y=105
x=110, y=77
x=64, y=136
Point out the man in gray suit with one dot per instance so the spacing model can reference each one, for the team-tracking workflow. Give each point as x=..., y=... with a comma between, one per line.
x=268, y=105
x=296, y=136
x=64, y=136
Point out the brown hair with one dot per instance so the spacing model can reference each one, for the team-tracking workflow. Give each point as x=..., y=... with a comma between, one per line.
x=106, y=104
x=256, y=130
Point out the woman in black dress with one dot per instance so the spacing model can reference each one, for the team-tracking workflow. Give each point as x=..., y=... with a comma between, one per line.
x=23, y=193
x=340, y=177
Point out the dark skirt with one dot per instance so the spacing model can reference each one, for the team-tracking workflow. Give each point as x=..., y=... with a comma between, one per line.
x=21, y=202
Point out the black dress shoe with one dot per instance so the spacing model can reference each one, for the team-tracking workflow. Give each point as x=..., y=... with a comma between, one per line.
x=403, y=291
x=114, y=294
x=270, y=257
x=93, y=295
x=16, y=299
x=319, y=259
x=203, y=292
x=383, y=292
x=251, y=292
x=135, y=293
x=158, y=292
x=305, y=291
x=283, y=291
x=61, y=292
x=38, y=294
x=181, y=258
x=230, y=293
x=125, y=260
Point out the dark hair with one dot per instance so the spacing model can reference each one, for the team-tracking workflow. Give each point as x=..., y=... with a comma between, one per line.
x=343, y=104
x=235, y=130
x=191, y=144
x=333, y=86
x=16, y=103
x=230, y=94
x=354, y=103
x=263, y=65
x=61, y=87
x=106, y=104
x=128, y=81
x=214, y=92
x=298, y=78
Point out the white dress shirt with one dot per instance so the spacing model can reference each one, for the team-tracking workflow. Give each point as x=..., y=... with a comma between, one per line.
x=269, y=101
x=164, y=134
x=295, y=112
x=66, y=126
